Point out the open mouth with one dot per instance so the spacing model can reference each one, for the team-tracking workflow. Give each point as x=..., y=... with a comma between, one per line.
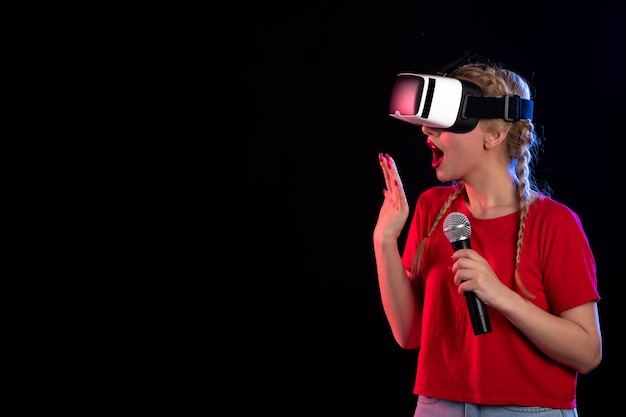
x=437, y=154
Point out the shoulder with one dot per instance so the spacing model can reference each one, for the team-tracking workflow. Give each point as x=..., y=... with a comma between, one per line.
x=553, y=214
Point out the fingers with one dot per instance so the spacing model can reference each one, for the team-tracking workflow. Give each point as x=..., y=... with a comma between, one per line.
x=394, y=191
x=471, y=271
x=394, y=210
x=467, y=253
x=464, y=267
x=390, y=171
x=463, y=260
x=386, y=167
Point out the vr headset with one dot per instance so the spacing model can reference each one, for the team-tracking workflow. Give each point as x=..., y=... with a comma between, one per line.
x=450, y=104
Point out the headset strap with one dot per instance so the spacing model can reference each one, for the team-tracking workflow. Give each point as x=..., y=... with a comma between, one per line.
x=465, y=58
x=510, y=108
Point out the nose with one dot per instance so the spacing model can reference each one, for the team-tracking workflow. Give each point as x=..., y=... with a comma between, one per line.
x=430, y=131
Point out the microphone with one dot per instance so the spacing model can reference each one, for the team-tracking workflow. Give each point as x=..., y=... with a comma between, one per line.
x=457, y=229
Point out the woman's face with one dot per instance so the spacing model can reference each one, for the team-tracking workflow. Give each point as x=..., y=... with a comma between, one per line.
x=455, y=155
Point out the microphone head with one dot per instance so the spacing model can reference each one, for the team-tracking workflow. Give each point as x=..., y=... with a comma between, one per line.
x=457, y=227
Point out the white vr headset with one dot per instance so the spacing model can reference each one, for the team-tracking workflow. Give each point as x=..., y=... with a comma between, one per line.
x=450, y=104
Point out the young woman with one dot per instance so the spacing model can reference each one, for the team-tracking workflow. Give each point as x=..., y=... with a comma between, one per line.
x=530, y=264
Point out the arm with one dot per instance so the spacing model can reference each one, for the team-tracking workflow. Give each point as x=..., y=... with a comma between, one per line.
x=572, y=337
x=400, y=303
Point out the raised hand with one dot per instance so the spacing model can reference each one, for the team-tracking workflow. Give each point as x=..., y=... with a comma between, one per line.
x=395, y=209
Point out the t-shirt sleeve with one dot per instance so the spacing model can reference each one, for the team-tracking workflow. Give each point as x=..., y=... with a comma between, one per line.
x=427, y=206
x=569, y=265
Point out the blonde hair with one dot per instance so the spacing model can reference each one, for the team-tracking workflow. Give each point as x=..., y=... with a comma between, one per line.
x=522, y=144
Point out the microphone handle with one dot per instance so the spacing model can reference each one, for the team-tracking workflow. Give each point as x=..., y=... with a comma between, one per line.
x=477, y=309
x=478, y=314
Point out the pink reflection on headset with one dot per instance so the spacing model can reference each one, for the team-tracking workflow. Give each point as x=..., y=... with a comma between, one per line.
x=406, y=94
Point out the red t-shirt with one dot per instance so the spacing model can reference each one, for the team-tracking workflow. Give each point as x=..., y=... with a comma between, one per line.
x=503, y=366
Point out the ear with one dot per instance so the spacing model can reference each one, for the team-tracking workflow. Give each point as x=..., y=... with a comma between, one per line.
x=493, y=139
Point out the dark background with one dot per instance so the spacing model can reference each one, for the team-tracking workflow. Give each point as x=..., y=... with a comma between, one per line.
x=266, y=122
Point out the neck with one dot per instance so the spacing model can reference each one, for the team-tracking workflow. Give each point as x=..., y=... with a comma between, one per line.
x=491, y=200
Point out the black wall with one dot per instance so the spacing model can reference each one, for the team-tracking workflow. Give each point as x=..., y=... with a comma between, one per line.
x=267, y=121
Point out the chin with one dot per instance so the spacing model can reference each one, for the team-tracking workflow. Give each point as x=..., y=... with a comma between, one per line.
x=442, y=177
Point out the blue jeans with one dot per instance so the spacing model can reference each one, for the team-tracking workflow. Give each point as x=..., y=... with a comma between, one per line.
x=434, y=407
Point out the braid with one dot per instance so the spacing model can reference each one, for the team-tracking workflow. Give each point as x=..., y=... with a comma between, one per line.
x=417, y=258
x=526, y=195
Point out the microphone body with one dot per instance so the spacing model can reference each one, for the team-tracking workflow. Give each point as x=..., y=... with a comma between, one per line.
x=457, y=229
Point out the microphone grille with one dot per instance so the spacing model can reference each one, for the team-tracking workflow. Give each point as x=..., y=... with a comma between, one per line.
x=457, y=227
